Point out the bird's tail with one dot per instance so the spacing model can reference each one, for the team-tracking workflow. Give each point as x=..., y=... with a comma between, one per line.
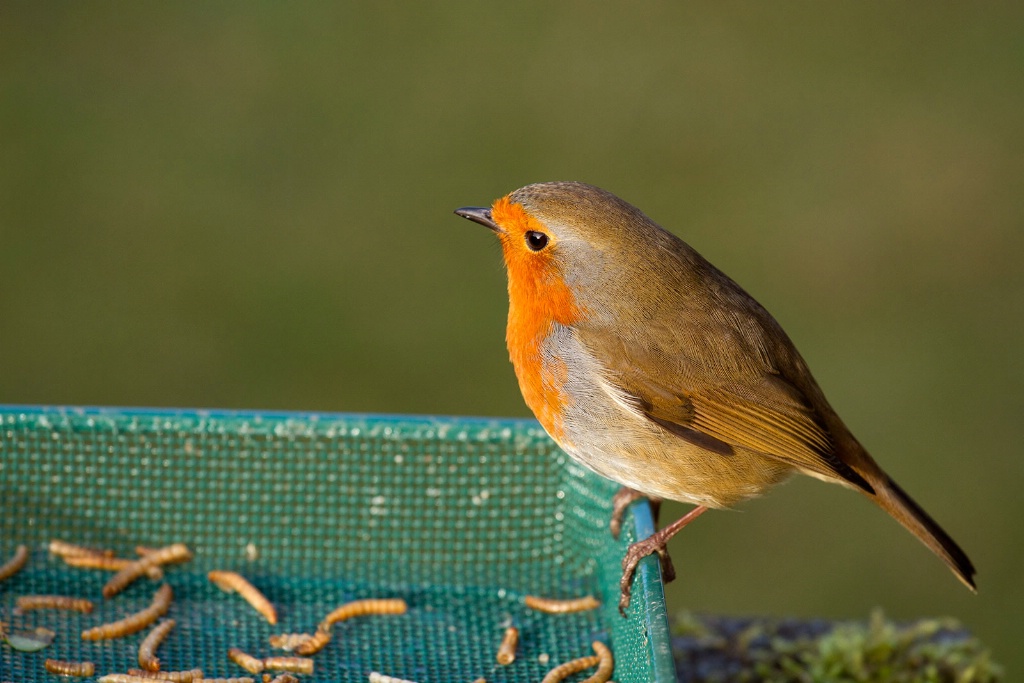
x=902, y=507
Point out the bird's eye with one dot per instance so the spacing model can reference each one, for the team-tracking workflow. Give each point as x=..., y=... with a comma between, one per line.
x=536, y=240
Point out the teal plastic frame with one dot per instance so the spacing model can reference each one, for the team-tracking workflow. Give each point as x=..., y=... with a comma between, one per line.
x=62, y=470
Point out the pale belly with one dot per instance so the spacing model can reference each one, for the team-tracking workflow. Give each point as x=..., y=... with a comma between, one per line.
x=604, y=432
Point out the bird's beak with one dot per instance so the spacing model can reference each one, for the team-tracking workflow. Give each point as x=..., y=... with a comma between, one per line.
x=479, y=214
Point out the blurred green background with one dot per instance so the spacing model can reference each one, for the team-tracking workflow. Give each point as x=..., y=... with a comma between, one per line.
x=248, y=205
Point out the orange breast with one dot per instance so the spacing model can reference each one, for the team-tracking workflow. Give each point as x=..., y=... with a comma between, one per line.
x=538, y=299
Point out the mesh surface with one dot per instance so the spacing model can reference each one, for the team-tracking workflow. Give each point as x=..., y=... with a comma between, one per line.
x=459, y=517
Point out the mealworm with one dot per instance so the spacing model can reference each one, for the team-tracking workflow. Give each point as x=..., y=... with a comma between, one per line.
x=172, y=676
x=359, y=608
x=246, y=661
x=243, y=679
x=134, y=622
x=381, y=678
x=561, y=606
x=15, y=564
x=80, y=556
x=64, y=549
x=507, y=649
x=139, y=676
x=147, y=650
x=30, y=602
x=285, y=678
x=108, y=563
x=105, y=562
x=178, y=552
x=563, y=671
x=299, y=665
x=289, y=641
x=56, y=666
x=480, y=680
x=232, y=581
x=314, y=643
x=605, y=665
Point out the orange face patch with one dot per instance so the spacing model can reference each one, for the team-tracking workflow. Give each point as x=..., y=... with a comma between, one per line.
x=538, y=298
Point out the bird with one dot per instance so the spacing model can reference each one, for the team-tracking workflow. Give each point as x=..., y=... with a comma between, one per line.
x=653, y=368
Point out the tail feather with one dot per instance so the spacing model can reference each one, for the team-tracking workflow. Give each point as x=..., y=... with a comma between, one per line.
x=902, y=507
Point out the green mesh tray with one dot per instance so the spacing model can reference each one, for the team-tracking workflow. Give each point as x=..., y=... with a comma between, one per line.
x=460, y=517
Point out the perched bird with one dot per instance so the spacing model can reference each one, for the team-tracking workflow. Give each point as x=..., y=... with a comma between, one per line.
x=653, y=368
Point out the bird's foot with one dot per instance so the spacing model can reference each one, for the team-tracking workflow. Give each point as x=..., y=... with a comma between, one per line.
x=622, y=500
x=636, y=552
x=655, y=543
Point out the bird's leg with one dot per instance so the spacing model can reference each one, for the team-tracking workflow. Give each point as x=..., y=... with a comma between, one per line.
x=621, y=501
x=623, y=498
x=655, y=543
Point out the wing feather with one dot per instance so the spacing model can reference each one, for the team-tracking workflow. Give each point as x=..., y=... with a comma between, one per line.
x=719, y=406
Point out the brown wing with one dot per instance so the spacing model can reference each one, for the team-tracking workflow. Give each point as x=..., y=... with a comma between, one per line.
x=699, y=391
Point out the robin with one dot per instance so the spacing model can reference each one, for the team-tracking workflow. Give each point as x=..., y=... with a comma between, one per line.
x=653, y=368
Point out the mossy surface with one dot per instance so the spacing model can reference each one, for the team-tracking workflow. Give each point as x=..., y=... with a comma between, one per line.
x=738, y=650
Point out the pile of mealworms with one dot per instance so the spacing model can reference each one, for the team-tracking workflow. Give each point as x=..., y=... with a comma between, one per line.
x=151, y=562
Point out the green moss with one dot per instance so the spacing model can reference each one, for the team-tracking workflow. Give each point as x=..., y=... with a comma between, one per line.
x=715, y=649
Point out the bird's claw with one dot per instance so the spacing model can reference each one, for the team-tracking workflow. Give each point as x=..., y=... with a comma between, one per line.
x=636, y=552
x=624, y=497
x=622, y=500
